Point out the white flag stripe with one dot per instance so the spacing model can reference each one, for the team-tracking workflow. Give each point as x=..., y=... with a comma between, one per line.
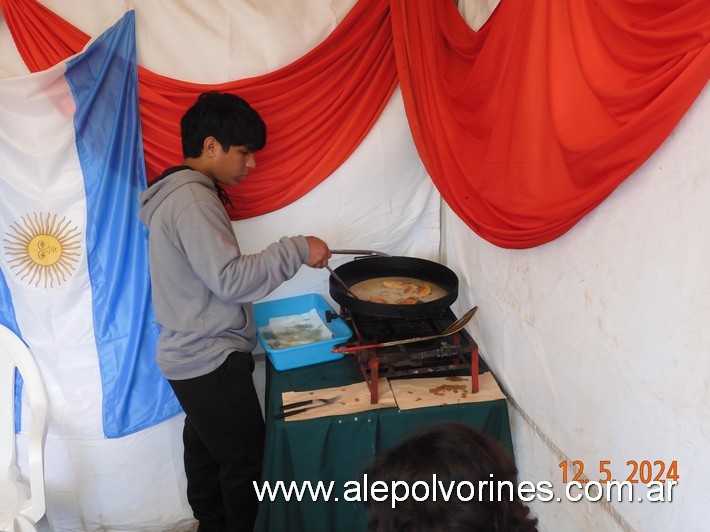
x=42, y=177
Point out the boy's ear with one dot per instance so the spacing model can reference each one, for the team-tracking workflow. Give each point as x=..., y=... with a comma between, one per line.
x=210, y=146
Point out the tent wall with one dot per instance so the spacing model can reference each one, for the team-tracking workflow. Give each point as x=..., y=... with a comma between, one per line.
x=599, y=337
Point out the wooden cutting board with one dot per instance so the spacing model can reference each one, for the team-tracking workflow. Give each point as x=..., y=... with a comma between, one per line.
x=440, y=391
x=351, y=399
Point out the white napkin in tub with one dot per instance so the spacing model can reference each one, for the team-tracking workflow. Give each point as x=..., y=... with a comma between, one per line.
x=291, y=331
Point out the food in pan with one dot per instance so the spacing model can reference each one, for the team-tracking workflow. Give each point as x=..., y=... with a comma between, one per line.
x=411, y=290
x=407, y=289
x=397, y=291
x=422, y=290
x=389, y=283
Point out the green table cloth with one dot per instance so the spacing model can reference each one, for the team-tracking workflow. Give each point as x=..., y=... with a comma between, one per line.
x=337, y=449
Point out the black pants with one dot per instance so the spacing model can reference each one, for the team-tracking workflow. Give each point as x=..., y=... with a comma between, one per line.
x=224, y=443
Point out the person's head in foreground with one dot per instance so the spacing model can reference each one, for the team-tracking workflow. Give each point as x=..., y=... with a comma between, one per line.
x=460, y=457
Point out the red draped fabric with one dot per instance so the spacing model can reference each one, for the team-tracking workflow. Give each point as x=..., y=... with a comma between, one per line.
x=317, y=109
x=42, y=38
x=525, y=126
x=528, y=124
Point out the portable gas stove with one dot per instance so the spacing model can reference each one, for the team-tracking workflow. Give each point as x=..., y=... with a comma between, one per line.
x=456, y=354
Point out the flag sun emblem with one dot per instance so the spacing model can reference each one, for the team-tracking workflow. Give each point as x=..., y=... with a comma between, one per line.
x=42, y=249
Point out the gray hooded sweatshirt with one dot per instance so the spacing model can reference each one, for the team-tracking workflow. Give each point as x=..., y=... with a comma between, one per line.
x=202, y=286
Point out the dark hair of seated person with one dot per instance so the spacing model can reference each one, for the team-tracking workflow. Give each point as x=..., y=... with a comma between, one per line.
x=454, y=452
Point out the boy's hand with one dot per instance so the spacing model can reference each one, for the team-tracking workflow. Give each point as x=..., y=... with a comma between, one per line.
x=319, y=252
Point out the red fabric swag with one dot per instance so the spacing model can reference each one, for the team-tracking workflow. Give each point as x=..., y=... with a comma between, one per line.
x=528, y=124
x=42, y=38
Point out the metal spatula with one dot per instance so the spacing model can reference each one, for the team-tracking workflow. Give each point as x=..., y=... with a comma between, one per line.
x=342, y=283
x=451, y=329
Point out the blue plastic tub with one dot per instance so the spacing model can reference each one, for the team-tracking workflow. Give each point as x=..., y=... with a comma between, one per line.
x=308, y=354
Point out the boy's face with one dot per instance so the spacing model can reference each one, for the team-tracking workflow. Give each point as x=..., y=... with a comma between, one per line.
x=231, y=166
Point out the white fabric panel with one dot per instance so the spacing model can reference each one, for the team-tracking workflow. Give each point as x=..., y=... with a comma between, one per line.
x=601, y=335
x=532, y=458
x=223, y=40
x=476, y=12
x=134, y=483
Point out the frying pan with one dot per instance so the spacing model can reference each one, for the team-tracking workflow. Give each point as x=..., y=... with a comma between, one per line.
x=364, y=268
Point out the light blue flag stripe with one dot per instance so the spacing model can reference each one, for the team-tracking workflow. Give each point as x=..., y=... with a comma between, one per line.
x=8, y=319
x=103, y=80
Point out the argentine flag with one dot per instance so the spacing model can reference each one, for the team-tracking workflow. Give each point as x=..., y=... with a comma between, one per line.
x=74, y=279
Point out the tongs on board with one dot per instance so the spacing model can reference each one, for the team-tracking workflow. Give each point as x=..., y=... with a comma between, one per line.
x=287, y=410
x=451, y=329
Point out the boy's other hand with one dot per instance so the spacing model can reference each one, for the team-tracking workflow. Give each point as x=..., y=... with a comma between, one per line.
x=319, y=252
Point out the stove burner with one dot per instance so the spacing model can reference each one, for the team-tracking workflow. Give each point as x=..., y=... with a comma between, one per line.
x=452, y=355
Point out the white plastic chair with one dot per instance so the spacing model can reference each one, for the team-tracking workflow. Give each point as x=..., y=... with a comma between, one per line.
x=20, y=510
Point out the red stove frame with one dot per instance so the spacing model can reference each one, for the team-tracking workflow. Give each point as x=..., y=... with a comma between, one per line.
x=438, y=356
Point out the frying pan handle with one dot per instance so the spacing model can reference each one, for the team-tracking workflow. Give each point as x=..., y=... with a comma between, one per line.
x=365, y=252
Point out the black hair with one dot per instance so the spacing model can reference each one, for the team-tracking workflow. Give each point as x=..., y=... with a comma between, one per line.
x=226, y=117
x=455, y=453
